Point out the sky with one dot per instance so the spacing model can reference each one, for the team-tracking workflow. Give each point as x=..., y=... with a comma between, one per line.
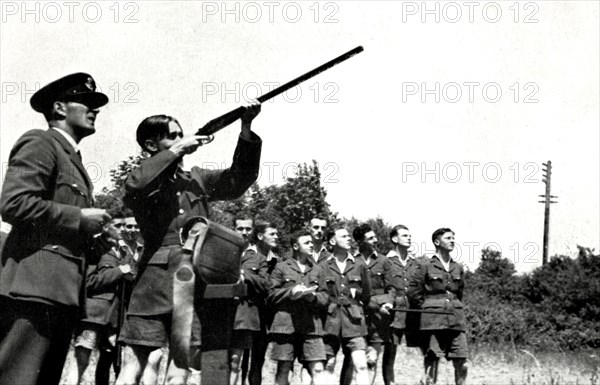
x=444, y=120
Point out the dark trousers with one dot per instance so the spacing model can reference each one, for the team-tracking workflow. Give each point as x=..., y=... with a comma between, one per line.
x=35, y=339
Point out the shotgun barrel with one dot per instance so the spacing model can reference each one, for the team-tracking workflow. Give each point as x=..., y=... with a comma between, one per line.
x=230, y=117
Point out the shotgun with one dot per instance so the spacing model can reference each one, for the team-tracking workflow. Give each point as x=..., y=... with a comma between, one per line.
x=230, y=117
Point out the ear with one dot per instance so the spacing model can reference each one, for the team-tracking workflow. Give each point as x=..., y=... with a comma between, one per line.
x=332, y=242
x=260, y=236
x=295, y=246
x=59, y=108
x=436, y=242
x=151, y=146
x=395, y=239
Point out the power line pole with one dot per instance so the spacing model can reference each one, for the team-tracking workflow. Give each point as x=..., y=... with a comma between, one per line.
x=547, y=168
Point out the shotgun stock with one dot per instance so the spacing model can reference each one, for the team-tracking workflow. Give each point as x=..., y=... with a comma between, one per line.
x=230, y=117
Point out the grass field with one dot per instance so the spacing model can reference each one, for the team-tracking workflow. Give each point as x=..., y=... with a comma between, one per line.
x=487, y=366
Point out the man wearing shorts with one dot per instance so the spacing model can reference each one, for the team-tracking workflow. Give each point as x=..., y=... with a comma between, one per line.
x=349, y=288
x=437, y=284
x=297, y=295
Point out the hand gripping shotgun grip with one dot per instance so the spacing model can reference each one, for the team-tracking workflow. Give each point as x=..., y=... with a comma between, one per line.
x=230, y=117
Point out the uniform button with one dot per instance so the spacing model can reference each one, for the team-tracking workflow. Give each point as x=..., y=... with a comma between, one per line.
x=74, y=184
x=54, y=247
x=181, y=211
x=447, y=300
x=178, y=193
x=343, y=285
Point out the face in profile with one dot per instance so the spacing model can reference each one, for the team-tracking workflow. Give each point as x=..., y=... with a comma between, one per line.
x=114, y=228
x=403, y=238
x=341, y=240
x=269, y=237
x=304, y=245
x=369, y=242
x=445, y=241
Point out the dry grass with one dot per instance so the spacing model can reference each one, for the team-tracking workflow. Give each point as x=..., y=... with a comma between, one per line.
x=487, y=366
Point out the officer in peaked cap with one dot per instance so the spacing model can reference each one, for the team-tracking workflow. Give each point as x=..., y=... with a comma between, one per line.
x=47, y=198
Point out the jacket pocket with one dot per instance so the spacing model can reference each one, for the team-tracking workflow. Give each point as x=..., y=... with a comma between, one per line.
x=70, y=190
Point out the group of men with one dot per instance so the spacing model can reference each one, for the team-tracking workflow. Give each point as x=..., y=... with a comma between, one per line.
x=323, y=298
x=67, y=265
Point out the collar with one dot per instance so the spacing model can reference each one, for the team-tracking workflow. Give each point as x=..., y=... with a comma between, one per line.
x=393, y=254
x=322, y=249
x=349, y=257
x=251, y=247
x=68, y=137
x=450, y=261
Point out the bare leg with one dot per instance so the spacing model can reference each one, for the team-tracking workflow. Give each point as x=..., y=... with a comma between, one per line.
x=82, y=358
x=460, y=371
x=176, y=375
x=372, y=355
x=135, y=358
x=431, y=369
x=359, y=360
x=150, y=373
x=317, y=372
x=282, y=377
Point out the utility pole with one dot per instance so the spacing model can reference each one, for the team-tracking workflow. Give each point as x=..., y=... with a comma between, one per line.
x=547, y=168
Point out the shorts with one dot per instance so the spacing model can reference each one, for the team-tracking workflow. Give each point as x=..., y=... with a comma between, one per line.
x=154, y=330
x=352, y=344
x=286, y=347
x=397, y=335
x=445, y=343
x=242, y=339
x=91, y=336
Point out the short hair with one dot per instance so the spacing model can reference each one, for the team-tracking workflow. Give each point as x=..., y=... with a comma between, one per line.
x=439, y=232
x=156, y=126
x=242, y=217
x=359, y=232
x=297, y=234
x=333, y=230
x=260, y=228
x=395, y=229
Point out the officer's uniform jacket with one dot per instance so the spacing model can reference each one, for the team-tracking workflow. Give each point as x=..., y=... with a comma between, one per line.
x=432, y=287
x=46, y=186
x=163, y=197
x=345, y=313
x=400, y=278
x=297, y=315
x=102, y=283
x=254, y=264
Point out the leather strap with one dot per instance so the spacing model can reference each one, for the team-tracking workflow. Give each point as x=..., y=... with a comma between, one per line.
x=184, y=282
